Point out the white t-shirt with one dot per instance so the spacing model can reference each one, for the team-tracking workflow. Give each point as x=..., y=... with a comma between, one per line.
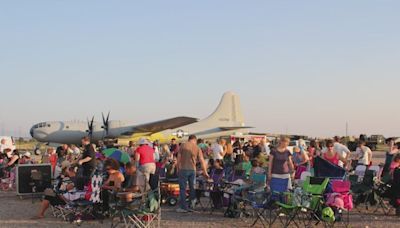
x=364, y=154
x=217, y=150
x=156, y=154
x=342, y=150
x=2, y=148
x=266, y=149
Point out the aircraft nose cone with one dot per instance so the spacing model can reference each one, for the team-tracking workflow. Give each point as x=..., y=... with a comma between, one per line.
x=31, y=132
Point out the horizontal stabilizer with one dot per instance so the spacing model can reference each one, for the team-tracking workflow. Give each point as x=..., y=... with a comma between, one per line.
x=233, y=128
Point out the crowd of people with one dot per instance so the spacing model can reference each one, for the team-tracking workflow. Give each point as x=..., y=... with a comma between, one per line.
x=188, y=160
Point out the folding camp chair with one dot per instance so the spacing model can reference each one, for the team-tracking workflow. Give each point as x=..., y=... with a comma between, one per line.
x=263, y=208
x=232, y=189
x=363, y=191
x=377, y=169
x=137, y=210
x=353, y=179
x=314, y=188
x=210, y=189
x=86, y=208
x=65, y=209
x=340, y=200
x=250, y=200
x=145, y=214
x=383, y=194
x=304, y=204
x=237, y=174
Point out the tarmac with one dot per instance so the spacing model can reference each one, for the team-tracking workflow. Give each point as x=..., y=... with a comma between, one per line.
x=17, y=212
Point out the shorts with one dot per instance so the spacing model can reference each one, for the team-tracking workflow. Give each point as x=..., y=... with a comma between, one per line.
x=55, y=200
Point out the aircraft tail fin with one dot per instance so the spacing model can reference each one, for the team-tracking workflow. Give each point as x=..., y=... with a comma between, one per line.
x=228, y=112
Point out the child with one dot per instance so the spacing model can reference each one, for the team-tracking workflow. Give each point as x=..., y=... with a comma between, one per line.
x=246, y=165
x=256, y=167
x=217, y=165
x=262, y=160
x=171, y=168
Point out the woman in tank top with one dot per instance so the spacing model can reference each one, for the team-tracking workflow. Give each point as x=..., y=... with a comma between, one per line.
x=331, y=155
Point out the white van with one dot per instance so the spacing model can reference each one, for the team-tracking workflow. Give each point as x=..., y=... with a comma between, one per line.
x=10, y=143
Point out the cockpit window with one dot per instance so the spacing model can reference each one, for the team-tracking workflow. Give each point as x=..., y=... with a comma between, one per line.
x=40, y=125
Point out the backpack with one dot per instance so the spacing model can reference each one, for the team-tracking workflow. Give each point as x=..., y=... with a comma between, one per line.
x=328, y=215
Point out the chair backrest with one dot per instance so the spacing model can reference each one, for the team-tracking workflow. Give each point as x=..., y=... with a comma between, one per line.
x=304, y=175
x=238, y=174
x=258, y=178
x=162, y=173
x=368, y=179
x=217, y=172
x=315, y=185
x=279, y=185
x=154, y=181
x=396, y=180
x=96, y=182
x=353, y=179
x=340, y=186
x=217, y=176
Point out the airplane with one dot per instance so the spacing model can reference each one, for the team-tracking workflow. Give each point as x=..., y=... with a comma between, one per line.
x=227, y=119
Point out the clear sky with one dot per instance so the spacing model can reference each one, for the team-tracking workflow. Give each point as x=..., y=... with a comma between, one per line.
x=302, y=67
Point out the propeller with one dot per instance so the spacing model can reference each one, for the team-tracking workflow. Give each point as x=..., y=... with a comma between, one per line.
x=90, y=127
x=106, y=123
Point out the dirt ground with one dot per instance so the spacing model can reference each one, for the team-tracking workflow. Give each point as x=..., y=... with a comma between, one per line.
x=16, y=212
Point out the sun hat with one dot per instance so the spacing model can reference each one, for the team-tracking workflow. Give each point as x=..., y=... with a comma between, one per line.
x=143, y=141
x=27, y=154
x=65, y=164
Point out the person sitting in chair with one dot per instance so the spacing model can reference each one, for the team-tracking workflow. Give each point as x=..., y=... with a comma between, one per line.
x=135, y=181
x=66, y=186
x=113, y=182
x=172, y=172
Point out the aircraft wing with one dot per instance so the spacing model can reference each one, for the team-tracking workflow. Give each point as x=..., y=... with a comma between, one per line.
x=162, y=125
x=233, y=128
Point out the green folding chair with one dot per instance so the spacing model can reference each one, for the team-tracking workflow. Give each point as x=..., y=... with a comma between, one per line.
x=303, y=206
